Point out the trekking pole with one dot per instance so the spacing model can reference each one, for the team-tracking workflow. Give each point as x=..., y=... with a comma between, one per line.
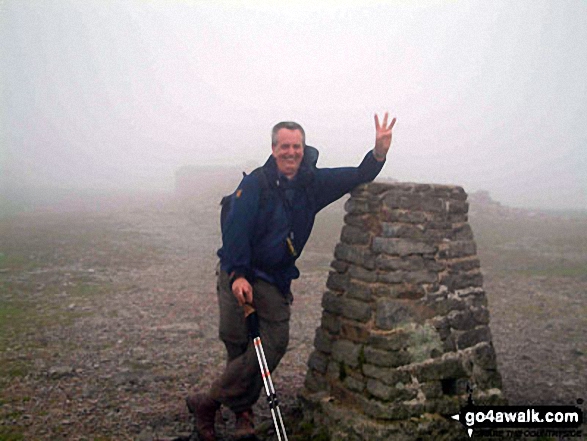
x=253, y=325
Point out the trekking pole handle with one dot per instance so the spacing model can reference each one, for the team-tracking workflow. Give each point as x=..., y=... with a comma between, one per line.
x=252, y=320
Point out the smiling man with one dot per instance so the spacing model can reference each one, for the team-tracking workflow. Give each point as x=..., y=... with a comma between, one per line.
x=270, y=219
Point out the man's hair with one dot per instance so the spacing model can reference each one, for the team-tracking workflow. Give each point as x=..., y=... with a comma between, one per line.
x=290, y=125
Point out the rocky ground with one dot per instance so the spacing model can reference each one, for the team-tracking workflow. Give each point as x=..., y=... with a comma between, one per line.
x=108, y=315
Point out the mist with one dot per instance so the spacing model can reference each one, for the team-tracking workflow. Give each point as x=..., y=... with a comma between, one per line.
x=118, y=95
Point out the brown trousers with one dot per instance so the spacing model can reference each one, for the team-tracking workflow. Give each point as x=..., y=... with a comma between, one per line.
x=241, y=383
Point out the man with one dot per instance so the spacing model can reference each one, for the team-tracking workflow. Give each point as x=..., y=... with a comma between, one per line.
x=270, y=219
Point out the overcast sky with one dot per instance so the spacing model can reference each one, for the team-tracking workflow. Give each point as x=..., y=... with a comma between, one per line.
x=488, y=94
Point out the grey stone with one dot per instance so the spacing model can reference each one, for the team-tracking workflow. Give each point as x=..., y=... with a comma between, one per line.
x=432, y=389
x=393, y=341
x=339, y=266
x=389, y=376
x=356, y=206
x=347, y=352
x=354, y=254
x=456, y=282
x=421, y=277
x=384, y=358
x=463, y=265
x=354, y=235
x=481, y=315
x=414, y=217
x=391, y=277
x=356, y=310
x=360, y=273
x=402, y=231
x=457, y=207
x=458, y=248
x=330, y=322
x=391, y=313
x=401, y=247
x=337, y=281
x=462, y=232
x=318, y=361
x=474, y=336
x=360, y=291
x=332, y=302
x=323, y=341
x=407, y=263
x=440, y=369
x=354, y=384
x=461, y=320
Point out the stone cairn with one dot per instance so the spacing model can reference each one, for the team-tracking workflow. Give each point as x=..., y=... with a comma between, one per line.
x=405, y=325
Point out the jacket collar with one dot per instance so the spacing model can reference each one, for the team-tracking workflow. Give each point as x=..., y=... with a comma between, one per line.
x=302, y=178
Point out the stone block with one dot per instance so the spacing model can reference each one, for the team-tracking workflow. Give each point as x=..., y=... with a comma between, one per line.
x=391, y=341
x=353, y=331
x=337, y=281
x=384, y=358
x=339, y=266
x=362, y=221
x=384, y=411
x=346, y=352
x=483, y=355
x=439, y=369
x=323, y=341
x=401, y=247
x=461, y=320
x=458, y=248
x=354, y=384
x=462, y=232
x=457, y=207
x=392, y=313
x=394, y=215
x=473, y=336
x=331, y=322
x=431, y=389
x=355, y=254
x=462, y=280
x=357, y=206
x=383, y=392
x=396, y=230
x=421, y=277
x=486, y=378
x=318, y=361
x=332, y=302
x=356, y=310
x=394, y=263
x=389, y=376
x=468, y=264
x=362, y=274
x=391, y=277
x=481, y=315
x=354, y=235
x=314, y=381
x=359, y=291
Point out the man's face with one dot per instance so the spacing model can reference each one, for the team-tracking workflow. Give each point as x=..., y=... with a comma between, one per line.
x=289, y=151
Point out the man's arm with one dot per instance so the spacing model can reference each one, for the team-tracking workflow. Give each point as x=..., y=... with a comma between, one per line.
x=237, y=238
x=336, y=182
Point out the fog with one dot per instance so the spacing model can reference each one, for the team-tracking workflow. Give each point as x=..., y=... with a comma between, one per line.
x=118, y=95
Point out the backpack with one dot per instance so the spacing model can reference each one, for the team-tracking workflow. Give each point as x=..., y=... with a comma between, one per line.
x=310, y=158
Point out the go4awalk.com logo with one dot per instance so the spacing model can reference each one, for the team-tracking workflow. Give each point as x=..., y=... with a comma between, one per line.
x=521, y=421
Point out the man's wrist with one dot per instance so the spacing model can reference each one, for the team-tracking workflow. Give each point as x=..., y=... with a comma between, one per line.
x=379, y=157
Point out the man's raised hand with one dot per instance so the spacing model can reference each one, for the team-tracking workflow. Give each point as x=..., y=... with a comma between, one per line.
x=383, y=136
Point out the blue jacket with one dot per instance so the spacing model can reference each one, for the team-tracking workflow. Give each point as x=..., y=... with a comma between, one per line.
x=256, y=235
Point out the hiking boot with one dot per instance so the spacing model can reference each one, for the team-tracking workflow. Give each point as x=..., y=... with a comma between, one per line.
x=204, y=410
x=244, y=427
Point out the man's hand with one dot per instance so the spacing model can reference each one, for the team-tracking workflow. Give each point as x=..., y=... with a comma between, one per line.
x=382, y=137
x=243, y=291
